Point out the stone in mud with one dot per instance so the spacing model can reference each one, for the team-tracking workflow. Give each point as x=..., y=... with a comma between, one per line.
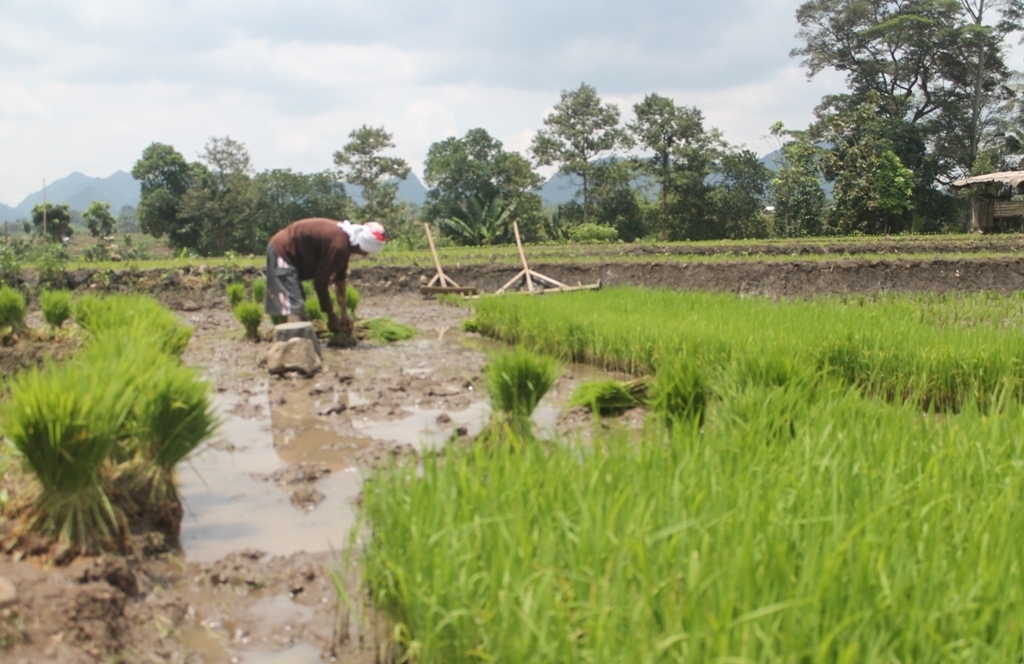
x=296, y=354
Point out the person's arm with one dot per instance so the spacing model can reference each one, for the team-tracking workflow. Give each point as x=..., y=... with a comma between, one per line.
x=341, y=322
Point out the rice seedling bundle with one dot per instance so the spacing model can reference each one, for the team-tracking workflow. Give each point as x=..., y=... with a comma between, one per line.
x=120, y=320
x=250, y=315
x=56, y=306
x=387, y=330
x=352, y=297
x=313, y=310
x=606, y=397
x=12, y=307
x=64, y=421
x=235, y=293
x=259, y=290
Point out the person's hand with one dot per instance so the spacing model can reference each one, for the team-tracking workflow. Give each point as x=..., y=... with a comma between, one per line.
x=339, y=324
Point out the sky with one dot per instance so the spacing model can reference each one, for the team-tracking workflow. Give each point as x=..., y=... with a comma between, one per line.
x=86, y=85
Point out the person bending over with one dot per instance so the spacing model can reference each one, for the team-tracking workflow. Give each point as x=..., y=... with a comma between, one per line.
x=316, y=249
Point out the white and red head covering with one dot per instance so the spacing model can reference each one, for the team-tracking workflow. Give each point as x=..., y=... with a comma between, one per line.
x=370, y=237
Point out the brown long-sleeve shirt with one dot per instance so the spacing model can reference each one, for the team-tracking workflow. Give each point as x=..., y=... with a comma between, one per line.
x=319, y=250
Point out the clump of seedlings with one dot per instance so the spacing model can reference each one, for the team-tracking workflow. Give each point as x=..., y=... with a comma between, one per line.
x=387, y=330
x=516, y=381
x=101, y=434
x=250, y=315
x=12, y=309
x=259, y=290
x=352, y=298
x=117, y=319
x=56, y=307
x=609, y=396
x=235, y=293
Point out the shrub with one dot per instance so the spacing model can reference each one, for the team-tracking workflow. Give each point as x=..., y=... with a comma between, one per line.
x=593, y=234
x=235, y=293
x=53, y=265
x=259, y=290
x=56, y=306
x=12, y=308
x=10, y=265
x=250, y=315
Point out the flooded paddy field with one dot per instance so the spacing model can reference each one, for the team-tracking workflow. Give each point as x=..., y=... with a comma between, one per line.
x=270, y=502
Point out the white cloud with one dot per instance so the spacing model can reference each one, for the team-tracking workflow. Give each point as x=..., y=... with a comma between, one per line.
x=85, y=86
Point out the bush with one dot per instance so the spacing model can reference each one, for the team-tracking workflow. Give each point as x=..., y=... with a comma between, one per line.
x=593, y=234
x=235, y=293
x=250, y=315
x=56, y=306
x=12, y=308
x=53, y=265
x=10, y=265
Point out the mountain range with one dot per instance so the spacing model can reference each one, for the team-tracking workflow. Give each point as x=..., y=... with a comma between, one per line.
x=120, y=189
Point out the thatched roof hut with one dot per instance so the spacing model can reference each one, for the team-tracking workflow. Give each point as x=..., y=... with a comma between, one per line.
x=993, y=209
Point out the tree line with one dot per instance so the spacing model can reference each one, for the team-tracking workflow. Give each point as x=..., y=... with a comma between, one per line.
x=929, y=98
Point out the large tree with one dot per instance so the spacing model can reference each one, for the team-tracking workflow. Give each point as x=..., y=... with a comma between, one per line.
x=100, y=220
x=52, y=220
x=935, y=64
x=165, y=177
x=362, y=163
x=580, y=130
x=470, y=179
x=796, y=190
x=682, y=157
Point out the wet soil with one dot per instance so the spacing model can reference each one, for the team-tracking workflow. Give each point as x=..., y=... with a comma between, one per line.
x=272, y=500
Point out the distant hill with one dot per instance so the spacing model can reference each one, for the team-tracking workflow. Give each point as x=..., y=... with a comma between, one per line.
x=410, y=190
x=79, y=191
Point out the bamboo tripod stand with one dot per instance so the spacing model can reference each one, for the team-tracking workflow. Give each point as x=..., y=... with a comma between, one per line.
x=529, y=275
x=447, y=284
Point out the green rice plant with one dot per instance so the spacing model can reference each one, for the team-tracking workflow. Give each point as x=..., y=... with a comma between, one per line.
x=121, y=320
x=606, y=397
x=516, y=381
x=250, y=315
x=680, y=391
x=235, y=293
x=386, y=330
x=12, y=308
x=63, y=420
x=352, y=298
x=56, y=306
x=171, y=416
x=259, y=290
x=857, y=531
x=313, y=310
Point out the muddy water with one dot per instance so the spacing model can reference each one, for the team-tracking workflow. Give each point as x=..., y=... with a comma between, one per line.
x=232, y=502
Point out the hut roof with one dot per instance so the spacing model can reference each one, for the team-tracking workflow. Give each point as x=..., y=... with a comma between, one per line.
x=1013, y=178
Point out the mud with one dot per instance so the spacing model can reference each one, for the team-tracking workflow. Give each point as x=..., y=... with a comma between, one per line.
x=271, y=502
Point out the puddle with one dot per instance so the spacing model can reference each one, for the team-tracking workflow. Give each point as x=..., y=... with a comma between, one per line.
x=421, y=428
x=228, y=509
